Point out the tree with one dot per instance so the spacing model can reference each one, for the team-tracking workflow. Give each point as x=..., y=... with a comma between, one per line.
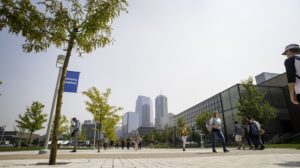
x=68, y=25
x=103, y=113
x=181, y=123
x=253, y=103
x=63, y=127
x=33, y=119
x=201, y=121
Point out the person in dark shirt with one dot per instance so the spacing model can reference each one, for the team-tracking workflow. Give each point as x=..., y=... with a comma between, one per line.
x=75, y=133
x=292, y=66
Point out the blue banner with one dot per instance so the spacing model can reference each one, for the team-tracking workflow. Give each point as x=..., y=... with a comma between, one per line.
x=71, y=82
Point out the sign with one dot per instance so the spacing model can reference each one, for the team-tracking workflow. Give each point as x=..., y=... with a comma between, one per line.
x=71, y=81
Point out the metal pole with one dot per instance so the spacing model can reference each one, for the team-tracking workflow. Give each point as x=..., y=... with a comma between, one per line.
x=202, y=142
x=54, y=101
x=95, y=135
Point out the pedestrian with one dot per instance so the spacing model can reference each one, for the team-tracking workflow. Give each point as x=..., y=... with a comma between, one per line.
x=247, y=134
x=254, y=131
x=128, y=143
x=105, y=142
x=183, y=133
x=140, y=144
x=76, y=125
x=238, y=135
x=123, y=143
x=216, y=130
x=292, y=66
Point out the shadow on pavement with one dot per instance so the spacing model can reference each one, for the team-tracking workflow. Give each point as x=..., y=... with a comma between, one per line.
x=57, y=163
x=290, y=164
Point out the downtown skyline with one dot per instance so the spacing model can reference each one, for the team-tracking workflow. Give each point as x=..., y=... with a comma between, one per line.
x=190, y=55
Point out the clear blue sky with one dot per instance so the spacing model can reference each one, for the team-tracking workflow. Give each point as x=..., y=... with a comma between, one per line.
x=189, y=50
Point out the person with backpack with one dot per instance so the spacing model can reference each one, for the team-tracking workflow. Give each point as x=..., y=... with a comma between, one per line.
x=292, y=66
x=216, y=130
x=254, y=132
x=247, y=135
x=238, y=135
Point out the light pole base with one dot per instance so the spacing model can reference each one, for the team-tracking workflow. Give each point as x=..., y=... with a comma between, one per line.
x=44, y=151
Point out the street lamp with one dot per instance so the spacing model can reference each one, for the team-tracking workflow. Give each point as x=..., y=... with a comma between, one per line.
x=59, y=64
x=201, y=138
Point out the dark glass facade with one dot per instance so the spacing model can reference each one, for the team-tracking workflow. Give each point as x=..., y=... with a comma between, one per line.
x=226, y=103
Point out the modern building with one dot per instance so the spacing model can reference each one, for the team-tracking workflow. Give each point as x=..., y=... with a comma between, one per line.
x=130, y=122
x=89, y=127
x=161, y=112
x=264, y=77
x=16, y=137
x=276, y=93
x=170, y=119
x=145, y=111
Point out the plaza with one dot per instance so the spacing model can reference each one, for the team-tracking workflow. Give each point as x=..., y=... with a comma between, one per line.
x=147, y=158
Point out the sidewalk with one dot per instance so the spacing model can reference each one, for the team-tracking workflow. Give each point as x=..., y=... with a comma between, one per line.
x=148, y=158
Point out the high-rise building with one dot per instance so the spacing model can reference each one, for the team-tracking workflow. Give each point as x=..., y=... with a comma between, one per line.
x=144, y=110
x=130, y=122
x=161, y=112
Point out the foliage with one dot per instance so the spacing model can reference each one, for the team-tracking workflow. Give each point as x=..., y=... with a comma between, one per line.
x=33, y=118
x=181, y=123
x=103, y=113
x=201, y=121
x=67, y=25
x=253, y=103
x=64, y=127
x=82, y=136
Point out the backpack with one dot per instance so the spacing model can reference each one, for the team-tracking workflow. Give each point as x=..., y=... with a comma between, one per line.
x=254, y=129
x=208, y=126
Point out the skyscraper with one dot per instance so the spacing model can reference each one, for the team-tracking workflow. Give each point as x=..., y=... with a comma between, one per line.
x=161, y=111
x=130, y=122
x=144, y=109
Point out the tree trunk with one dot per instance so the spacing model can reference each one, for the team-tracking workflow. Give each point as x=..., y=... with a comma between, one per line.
x=52, y=159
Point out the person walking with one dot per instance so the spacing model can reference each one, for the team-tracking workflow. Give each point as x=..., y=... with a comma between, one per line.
x=183, y=133
x=254, y=131
x=247, y=134
x=216, y=130
x=76, y=125
x=123, y=143
x=292, y=66
x=238, y=135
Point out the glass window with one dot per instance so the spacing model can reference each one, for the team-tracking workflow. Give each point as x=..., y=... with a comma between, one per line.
x=226, y=100
x=277, y=97
x=234, y=95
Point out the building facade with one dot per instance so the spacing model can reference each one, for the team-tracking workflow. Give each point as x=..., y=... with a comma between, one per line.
x=89, y=128
x=275, y=90
x=145, y=111
x=161, y=112
x=130, y=122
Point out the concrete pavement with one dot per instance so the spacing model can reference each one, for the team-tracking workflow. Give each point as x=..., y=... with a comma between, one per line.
x=148, y=158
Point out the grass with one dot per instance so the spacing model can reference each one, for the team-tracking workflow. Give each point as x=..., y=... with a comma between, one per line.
x=6, y=149
x=290, y=146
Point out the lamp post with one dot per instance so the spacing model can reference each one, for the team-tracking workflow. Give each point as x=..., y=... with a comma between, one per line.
x=59, y=63
x=201, y=138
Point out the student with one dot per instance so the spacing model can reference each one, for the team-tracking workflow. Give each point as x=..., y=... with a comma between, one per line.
x=292, y=66
x=183, y=133
x=254, y=131
x=238, y=135
x=216, y=130
x=75, y=133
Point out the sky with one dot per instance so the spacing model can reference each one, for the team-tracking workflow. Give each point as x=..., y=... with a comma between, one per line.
x=187, y=50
